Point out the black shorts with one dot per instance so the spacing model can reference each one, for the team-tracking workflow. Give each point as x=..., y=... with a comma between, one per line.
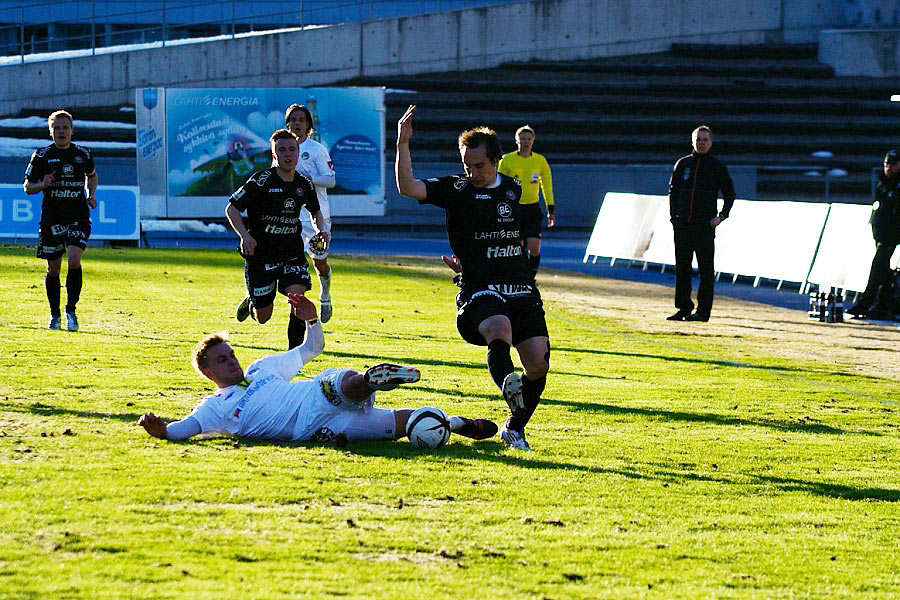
x=263, y=278
x=53, y=239
x=521, y=304
x=531, y=219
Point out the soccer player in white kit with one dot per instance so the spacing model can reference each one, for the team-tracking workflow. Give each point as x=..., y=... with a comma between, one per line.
x=263, y=403
x=315, y=163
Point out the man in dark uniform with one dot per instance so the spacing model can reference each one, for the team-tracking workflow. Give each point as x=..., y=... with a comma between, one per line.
x=271, y=243
x=499, y=303
x=886, y=230
x=693, y=196
x=60, y=171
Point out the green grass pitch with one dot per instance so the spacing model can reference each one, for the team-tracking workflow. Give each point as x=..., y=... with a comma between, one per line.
x=670, y=462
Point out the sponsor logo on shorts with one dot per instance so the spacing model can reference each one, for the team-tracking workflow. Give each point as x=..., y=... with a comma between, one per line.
x=262, y=291
x=289, y=269
x=58, y=229
x=512, y=289
x=272, y=266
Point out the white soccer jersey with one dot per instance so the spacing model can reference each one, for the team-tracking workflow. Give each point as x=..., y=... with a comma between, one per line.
x=267, y=405
x=315, y=161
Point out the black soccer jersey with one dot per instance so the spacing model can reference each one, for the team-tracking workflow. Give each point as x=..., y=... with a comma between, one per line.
x=273, y=210
x=483, y=228
x=65, y=201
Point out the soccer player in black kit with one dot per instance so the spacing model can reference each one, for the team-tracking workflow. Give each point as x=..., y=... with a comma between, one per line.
x=271, y=243
x=60, y=171
x=499, y=303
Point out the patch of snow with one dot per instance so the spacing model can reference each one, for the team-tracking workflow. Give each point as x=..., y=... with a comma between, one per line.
x=15, y=147
x=27, y=122
x=182, y=225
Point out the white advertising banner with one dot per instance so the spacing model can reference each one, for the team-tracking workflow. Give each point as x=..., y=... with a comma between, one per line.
x=773, y=240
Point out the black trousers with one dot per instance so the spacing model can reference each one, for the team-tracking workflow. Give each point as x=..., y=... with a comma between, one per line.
x=879, y=275
x=691, y=239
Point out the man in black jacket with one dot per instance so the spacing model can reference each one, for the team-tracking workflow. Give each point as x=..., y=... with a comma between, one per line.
x=886, y=230
x=693, y=198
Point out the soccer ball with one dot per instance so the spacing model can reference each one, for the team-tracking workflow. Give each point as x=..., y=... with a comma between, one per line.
x=318, y=247
x=428, y=428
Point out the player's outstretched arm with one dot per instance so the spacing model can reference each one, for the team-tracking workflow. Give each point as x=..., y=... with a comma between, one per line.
x=154, y=425
x=407, y=184
x=302, y=307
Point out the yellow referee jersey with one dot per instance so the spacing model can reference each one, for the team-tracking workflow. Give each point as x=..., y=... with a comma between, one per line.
x=531, y=173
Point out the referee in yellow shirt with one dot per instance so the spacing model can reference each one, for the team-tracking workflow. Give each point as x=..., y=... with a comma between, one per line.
x=532, y=172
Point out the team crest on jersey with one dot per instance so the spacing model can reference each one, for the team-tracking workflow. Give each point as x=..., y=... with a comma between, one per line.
x=510, y=195
x=68, y=170
x=330, y=389
x=305, y=156
x=504, y=209
x=460, y=183
x=687, y=173
x=79, y=160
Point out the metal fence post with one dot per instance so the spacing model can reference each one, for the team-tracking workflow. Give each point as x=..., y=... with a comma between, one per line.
x=22, y=33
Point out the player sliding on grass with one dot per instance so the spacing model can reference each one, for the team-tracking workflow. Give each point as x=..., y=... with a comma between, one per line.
x=499, y=303
x=263, y=403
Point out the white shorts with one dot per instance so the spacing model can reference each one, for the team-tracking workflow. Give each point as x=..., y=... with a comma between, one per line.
x=328, y=413
x=306, y=222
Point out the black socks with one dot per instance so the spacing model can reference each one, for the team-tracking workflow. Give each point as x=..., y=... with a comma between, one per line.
x=499, y=361
x=73, y=288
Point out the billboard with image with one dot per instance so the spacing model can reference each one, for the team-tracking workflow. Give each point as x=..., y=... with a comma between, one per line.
x=212, y=140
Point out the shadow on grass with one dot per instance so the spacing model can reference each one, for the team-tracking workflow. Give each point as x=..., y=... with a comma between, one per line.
x=783, y=484
x=54, y=411
x=709, y=361
x=711, y=418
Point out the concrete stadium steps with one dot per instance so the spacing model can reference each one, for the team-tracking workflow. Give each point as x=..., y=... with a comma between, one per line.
x=770, y=106
x=84, y=134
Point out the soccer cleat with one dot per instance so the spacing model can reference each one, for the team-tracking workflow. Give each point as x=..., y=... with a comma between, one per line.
x=325, y=310
x=515, y=439
x=512, y=392
x=387, y=376
x=477, y=429
x=243, y=310
x=71, y=321
x=54, y=323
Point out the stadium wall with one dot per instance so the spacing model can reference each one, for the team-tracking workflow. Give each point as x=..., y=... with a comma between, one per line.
x=449, y=41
